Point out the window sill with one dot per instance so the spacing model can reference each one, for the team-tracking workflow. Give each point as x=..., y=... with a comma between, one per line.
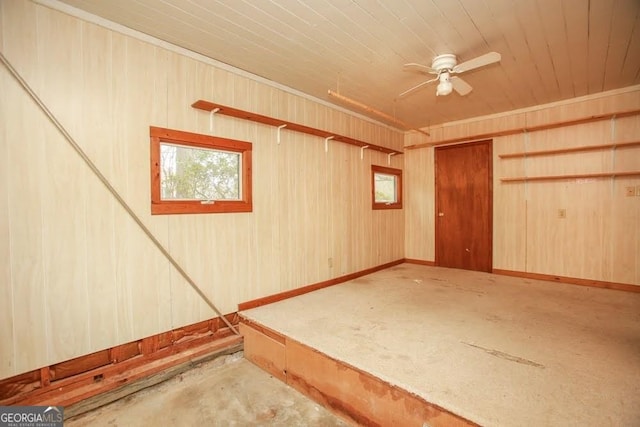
x=196, y=207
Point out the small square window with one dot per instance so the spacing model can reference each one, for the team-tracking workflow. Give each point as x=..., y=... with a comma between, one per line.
x=192, y=173
x=386, y=188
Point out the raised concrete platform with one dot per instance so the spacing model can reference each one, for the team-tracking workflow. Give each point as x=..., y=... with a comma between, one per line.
x=446, y=347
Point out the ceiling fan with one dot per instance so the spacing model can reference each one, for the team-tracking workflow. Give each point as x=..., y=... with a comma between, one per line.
x=443, y=67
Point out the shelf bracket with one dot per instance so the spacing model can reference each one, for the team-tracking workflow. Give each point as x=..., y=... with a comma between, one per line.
x=211, y=114
x=613, y=128
x=326, y=143
x=279, y=129
x=389, y=157
x=362, y=151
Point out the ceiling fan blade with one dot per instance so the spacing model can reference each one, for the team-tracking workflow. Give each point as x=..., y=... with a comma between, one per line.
x=480, y=61
x=408, y=91
x=419, y=68
x=460, y=85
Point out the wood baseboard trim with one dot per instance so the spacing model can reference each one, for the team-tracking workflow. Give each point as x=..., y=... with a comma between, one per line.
x=72, y=381
x=420, y=262
x=313, y=287
x=570, y=280
x=347, y=391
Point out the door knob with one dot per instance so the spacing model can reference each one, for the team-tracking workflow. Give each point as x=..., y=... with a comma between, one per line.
x=440, y=213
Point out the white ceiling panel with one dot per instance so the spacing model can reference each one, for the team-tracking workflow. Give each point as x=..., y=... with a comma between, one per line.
x=551, y=49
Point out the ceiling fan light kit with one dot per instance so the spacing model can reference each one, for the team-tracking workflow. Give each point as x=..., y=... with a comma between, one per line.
x=444, y=67
x=445, y=86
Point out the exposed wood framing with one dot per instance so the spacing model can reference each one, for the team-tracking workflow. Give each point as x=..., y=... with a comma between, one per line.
x=266, y=348
x=71, y=381
x=193, y=359
x=344, y=389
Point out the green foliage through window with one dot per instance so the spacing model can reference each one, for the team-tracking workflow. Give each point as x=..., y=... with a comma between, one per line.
x=385, y=188
x=197, y=174
x=190, y=173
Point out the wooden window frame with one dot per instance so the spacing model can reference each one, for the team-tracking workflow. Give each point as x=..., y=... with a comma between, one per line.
x=387, y=171
x=188, y=139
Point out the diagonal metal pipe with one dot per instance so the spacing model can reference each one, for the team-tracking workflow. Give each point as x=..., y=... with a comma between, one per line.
x=111, y=189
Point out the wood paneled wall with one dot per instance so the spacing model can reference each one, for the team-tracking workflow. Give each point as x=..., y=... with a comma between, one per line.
x=77, y=274
x=419, y=202
x=598, y=240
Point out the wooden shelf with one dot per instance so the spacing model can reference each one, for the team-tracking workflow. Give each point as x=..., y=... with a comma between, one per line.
x=570, y=150
x=233, y=112
x=576, y=176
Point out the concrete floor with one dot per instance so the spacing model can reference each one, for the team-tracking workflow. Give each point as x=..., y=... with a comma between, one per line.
x=497, y=350
x=228, y=391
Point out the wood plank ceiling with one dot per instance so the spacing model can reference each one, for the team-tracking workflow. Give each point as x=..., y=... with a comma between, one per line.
x=551, y=49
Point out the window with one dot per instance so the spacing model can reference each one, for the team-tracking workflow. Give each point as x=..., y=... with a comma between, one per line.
x=386, y=188
x=192, y=173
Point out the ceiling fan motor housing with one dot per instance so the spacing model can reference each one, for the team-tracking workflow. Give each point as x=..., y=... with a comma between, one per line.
x=444, y=62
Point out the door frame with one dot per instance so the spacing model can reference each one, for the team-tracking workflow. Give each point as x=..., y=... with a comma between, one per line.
x=489, y=143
